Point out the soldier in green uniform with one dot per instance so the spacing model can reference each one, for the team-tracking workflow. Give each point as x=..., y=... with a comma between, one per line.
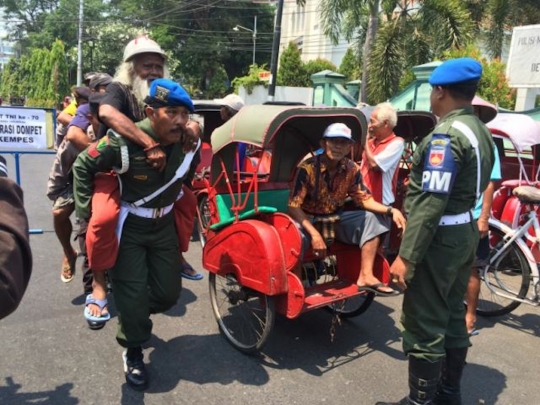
x=145, y=275
x=451, y=168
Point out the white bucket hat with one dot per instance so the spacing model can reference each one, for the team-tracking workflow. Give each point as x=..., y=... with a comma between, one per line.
x=232, y=101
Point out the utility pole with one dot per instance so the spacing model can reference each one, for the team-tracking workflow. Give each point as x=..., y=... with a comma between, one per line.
x=275, y=52
x=79, y=44
x=254, y=37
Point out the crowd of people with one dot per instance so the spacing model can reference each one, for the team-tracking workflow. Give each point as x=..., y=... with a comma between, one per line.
x=126, y=154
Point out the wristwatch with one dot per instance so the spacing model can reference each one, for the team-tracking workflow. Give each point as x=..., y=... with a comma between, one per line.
x=389, y=211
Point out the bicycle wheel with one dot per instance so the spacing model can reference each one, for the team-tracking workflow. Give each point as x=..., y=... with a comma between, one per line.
x=509, y=274
x=353, y=306
x=204, y=222
x=245, y=317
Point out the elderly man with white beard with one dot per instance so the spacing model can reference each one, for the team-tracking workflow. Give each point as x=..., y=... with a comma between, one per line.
x=122, y=106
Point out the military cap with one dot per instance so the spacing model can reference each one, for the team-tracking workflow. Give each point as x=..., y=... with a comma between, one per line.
x=454, y=71
x=338, y=130
x=167, y=93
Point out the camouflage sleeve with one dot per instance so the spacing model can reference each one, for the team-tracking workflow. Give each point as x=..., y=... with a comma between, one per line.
x=100, y=156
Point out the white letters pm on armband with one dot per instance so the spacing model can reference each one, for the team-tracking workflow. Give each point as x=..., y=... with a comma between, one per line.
x=439, y=167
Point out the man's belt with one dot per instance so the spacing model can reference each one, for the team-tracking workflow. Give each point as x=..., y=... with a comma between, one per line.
x=149, y=212
x=458, y=219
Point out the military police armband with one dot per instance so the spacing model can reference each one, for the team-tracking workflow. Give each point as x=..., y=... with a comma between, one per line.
x=439, y=166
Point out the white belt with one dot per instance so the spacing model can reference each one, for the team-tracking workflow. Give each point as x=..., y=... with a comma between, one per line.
x=149, y=212
x=458, y=219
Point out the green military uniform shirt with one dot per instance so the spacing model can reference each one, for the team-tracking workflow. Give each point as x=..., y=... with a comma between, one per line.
x=425, y=209
x=139, y=181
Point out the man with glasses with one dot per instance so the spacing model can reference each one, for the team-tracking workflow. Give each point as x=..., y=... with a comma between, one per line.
x=320, y=188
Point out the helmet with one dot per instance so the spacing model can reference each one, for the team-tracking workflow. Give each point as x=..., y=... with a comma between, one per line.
x=142, y=44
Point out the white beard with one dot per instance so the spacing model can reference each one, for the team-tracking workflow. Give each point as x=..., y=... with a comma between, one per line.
x=140, y=89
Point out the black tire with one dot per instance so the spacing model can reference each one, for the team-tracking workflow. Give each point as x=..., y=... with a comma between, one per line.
x=204, y=215
x=509, y=274
x=245, y=317
x=353, y=306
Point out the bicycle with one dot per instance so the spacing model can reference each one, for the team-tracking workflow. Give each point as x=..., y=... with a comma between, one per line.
x=513, y=261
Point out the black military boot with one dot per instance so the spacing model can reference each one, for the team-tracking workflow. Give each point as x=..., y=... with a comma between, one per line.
x=449, y=390
x=423, y=381
x=134, y=368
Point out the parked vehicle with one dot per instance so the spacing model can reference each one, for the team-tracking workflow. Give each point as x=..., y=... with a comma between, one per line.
x=517, y=138
x=513, y=229
x=251, y=247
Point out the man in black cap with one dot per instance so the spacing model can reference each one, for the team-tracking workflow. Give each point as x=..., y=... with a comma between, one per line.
x=451, y=168
x=145, y=275
x=99, y=82
x=80, y=96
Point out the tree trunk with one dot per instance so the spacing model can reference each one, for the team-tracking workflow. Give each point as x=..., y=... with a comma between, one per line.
x=368, y=45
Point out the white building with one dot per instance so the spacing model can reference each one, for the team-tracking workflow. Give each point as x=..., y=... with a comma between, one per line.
x=6, y=48
x=6, y=53
x=302, y=25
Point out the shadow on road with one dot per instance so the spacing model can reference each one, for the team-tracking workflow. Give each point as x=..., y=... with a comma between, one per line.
x=10, y=394
x=305, y=343
x=205, y=359
x=525, y=323
x=482, y=383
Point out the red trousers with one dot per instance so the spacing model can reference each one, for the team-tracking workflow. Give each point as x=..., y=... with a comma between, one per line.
x=101, y=241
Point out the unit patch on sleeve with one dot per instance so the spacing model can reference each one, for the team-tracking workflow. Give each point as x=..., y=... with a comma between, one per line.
x=96, y=148
x=439, y=167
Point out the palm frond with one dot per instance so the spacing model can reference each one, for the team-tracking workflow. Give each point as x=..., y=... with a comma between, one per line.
x=447, y=22
x=386, y=61
x=497, y=13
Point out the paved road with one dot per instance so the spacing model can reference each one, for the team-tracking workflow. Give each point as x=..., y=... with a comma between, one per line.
x=49, y=356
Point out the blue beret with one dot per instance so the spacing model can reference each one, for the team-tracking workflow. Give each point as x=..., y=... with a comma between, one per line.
x=168, y=93
x=455, y=71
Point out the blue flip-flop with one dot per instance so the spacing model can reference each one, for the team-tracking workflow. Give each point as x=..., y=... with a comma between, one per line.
x=474, y=332
x=187, y=266
x=96, y=322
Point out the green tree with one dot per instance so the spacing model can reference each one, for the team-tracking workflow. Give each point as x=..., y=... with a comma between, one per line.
x=412, y=36
x=354, y=20
x=251, y=80
x=8, y=78
x=57, y=85
x=199, y=40
x=495, y=18
x=315, y=66
x=350, y=66
x=493, y=85
x=291, y=70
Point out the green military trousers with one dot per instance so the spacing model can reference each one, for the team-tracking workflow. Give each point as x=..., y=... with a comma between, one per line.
x=146, y=278
x=433, y=316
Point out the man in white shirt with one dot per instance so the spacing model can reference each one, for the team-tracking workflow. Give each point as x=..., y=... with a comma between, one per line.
x=382, y=153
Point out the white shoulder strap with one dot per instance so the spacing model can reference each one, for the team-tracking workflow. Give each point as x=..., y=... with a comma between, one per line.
x=180, y=172
x=468, y=132
x=124, y=155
